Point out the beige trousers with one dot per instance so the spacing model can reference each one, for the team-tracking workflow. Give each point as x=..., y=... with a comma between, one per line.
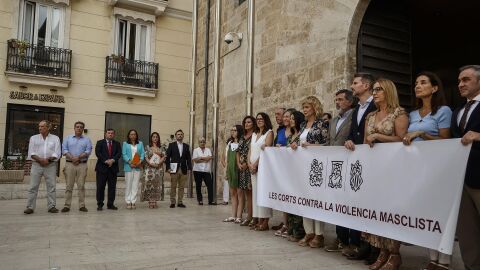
x=75, y=173
x=177, y=179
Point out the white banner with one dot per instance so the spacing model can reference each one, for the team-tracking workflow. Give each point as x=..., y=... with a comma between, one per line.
x=411, y=194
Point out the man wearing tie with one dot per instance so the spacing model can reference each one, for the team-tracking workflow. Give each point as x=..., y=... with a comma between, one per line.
x=362, y=87
x=108, y=153
x=178, y=153
x=466, y=125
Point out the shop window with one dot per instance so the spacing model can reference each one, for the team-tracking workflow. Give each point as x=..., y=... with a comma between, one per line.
x=22, y=123
x=123, y=122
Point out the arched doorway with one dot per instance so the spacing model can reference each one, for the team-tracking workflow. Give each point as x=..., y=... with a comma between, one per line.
x=398, y=39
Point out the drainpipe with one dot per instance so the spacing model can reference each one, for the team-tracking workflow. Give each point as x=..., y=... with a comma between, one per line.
x=205, y=83
x=251, y=34
x=192, y=90
x=216, y=85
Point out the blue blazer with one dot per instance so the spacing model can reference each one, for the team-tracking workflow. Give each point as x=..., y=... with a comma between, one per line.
x=127, y=155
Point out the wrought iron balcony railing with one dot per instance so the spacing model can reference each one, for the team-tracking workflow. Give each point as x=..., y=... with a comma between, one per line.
x=131, y=72
x=23, y=57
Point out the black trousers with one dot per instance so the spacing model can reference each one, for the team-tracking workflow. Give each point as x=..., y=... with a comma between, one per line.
x=348, y=236
x=207, y=178
x=109, y=177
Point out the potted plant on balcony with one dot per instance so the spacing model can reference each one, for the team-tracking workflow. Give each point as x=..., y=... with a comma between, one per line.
x=11, y=171
x=120, y=59
x=21, y=45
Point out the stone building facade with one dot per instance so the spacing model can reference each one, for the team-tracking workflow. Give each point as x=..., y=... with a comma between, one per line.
x=109, y=63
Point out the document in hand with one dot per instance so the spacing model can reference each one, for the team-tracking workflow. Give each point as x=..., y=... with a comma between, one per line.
x=136, y=159
x=173, y=167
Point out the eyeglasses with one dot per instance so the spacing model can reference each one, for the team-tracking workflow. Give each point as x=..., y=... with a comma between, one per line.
x=378, y=89
x=259, y=119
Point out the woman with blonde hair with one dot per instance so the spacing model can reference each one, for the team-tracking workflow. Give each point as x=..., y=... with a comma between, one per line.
x=312, y=132
x=388, y=123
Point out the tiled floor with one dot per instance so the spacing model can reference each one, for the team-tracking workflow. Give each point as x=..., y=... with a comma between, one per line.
x=164, y=238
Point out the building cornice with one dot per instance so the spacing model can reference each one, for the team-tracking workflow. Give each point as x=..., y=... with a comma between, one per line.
x=178, y=13
x=157, y=7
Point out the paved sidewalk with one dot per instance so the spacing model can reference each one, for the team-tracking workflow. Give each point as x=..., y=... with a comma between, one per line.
x=164, y=238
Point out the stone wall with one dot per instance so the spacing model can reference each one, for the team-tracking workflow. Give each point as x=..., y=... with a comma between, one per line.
x=302, y=47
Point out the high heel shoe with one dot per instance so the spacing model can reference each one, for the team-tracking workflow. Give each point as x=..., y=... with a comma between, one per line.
x=381, y=260
x=306, y=240
x=393, y=263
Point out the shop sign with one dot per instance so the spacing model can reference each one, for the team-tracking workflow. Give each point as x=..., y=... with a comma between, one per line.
x=39, y=97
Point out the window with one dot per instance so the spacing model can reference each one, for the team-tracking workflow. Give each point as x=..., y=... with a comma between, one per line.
x=123, y=122
x=131, y=40
x=22, y=123
x=41, y=24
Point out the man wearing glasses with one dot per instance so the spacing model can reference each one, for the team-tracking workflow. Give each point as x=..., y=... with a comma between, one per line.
x=202, y=163
x=76, y=148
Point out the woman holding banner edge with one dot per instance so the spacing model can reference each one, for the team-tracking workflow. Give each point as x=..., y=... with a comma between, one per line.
x=430, y=121
x=388, y=123
x=312, y=132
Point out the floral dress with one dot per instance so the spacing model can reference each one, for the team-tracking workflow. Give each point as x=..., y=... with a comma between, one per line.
x=318, y=132
x=151, y=188
x=386, y=127
x=244, y=179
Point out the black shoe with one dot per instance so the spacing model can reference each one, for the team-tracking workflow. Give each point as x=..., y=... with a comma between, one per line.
x=65, y=209
x=372, y=257
x=53, y=210
x=181, y=205
x=113, y=207
x=83, y=209
x=172, y=205
x=28, y=211
x=99, y=208
x=212, y=203
x=200, y=203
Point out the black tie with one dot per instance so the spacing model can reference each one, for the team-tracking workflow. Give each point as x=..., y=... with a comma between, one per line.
x=463, y=120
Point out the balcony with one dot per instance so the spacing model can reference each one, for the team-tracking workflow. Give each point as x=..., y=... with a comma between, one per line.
x=131, y=77
x=33, y=64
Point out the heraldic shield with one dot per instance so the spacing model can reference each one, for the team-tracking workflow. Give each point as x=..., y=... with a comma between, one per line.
x=356, y=179
x=316, y=173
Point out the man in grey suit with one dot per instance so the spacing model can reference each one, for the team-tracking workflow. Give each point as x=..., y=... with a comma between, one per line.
x=338, y=134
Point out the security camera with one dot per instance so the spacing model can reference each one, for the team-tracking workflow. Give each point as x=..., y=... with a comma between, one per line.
x=231, y=36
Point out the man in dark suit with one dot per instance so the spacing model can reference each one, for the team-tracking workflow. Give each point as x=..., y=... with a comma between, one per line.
x=362, y=88
x=108, y=152
x=466, y=125
x=178, y=153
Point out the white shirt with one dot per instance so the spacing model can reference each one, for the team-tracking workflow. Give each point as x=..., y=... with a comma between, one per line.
x=362, y=109
x=134, y=150
x=180, y=148
x=341, y=119
x=474, y=105
x=44, y=148
x=303, y=136
x=201, y=166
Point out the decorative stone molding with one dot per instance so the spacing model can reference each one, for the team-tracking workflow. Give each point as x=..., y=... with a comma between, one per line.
x=177, y=13
x=66, y=2
x=130, y=90
x=135, y=15
x=37, y=79
x=156, y=7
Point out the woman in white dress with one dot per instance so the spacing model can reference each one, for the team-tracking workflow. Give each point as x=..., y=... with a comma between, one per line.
x=261, y=138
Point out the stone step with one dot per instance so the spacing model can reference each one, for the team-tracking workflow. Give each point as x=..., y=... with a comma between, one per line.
x=19, y=191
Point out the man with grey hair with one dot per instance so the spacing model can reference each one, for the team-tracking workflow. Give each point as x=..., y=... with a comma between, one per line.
x=202, y=163
x=44, y=150
x=466, y=125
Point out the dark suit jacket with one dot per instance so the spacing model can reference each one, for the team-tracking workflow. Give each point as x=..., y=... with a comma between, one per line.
x=357, y=131
x=101, y=151
x=472, y=175
x=173, y=156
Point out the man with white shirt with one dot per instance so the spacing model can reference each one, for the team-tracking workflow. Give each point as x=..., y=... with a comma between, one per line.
x=362, y=86
x=202, y=163
x=44, y=150
x=179, y=165
x=466, y=125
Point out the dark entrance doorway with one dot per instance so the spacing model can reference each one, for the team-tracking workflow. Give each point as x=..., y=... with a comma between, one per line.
x=398, y=39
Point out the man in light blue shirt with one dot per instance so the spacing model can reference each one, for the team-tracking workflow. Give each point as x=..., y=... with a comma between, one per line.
x=76, y=148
